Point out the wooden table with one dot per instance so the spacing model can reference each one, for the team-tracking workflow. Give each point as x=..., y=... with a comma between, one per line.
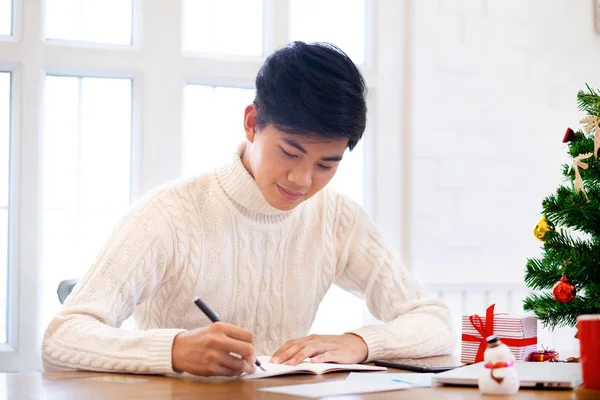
x=90, y=385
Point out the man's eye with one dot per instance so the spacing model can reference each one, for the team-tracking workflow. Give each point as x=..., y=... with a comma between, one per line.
x=290, y=155
x=324, y=166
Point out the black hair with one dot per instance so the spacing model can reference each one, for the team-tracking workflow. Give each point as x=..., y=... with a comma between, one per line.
x=312, y=89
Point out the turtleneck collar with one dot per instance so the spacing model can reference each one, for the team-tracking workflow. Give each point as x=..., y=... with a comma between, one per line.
x=241, y=188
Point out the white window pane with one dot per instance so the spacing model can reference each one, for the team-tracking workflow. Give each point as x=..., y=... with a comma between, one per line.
x=341, y=22
x=4, y=191
x=61, y=146
x=4, y=136
x=99, y=21
x=349, y=178
x=338, y=313
x=3, y=274
x=61, y=253
x=223, y=26
x=87, y=163
x=105, y=144
x=213, y=125
x=5, y=18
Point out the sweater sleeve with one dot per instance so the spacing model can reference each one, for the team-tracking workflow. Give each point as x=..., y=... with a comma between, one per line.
x=414, y=326
x=86, y=333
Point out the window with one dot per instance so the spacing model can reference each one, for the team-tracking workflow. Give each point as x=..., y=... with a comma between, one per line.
x=213, y=115
x=225, y=26
x=113, y=120
x=349, y=178
x=323, y=21
x=100, y=21
x=87, y=162
x=6, y=17
x=4, y=196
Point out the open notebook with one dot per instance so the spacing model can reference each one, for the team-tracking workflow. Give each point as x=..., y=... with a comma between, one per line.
x=306, y=367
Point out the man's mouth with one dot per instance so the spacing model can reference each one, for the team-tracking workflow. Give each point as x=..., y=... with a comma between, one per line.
x=289, y=194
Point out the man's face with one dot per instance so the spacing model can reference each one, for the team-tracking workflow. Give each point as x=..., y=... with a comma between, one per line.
x=289, y=168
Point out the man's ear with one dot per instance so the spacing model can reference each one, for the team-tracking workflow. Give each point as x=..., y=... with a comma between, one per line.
x=250, y=122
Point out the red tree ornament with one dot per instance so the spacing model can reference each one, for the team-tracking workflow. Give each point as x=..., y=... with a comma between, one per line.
x=569, y=135
x=563, y=290
x=572, y=136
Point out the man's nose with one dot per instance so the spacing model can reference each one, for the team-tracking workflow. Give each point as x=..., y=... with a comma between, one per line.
x=301, y=176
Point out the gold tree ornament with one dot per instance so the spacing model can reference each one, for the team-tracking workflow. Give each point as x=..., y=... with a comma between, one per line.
x=542, y=228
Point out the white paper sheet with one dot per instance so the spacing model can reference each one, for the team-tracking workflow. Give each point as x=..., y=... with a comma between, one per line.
x=333, y=388
x=314, y=368
x=415, y=380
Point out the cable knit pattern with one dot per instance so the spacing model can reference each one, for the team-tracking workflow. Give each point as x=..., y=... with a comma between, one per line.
x=265, y=270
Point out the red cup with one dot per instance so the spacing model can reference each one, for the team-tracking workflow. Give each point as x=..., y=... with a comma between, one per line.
x=588, y=332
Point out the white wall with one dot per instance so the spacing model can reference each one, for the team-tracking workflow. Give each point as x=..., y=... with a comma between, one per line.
x=494, y=88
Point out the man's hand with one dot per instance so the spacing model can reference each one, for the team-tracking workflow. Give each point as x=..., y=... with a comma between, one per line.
x=206, y=351
x=343, y=349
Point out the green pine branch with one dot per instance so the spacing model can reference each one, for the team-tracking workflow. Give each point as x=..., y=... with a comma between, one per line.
x=553, y=313
x=592, y=291
x=584, y=145
x=577, y=258
x=589, y=102
x=571, y=209
x=541, y=274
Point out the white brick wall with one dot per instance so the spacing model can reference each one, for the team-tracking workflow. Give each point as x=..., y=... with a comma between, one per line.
x=494, y=88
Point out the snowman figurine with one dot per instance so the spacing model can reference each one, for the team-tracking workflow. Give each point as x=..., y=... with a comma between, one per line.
x=499, y=373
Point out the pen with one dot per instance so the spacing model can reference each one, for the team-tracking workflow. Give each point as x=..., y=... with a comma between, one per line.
x=215, y=318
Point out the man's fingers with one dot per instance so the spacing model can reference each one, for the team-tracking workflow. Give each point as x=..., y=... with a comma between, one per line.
x=234, y=332
x=287, y=354
x=276, y=358
x=245, y=350
x=328, y=356
x=310, y=350
x=295, y=351
x=236, y=364
x=221, y=370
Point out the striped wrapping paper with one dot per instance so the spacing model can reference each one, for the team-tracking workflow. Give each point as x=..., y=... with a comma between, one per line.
x=505, y=327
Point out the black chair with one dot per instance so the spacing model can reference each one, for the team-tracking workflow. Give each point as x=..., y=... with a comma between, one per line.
x=65, y=288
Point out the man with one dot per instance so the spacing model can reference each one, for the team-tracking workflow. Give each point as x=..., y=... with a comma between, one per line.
x=260, y=240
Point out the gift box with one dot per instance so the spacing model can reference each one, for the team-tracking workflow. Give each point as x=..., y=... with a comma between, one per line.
x=519, y=333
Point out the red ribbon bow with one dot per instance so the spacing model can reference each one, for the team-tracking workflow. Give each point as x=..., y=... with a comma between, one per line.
x=487, y=329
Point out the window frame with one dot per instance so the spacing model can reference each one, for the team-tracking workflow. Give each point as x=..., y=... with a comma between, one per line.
x=14, y=211
x=159, y=70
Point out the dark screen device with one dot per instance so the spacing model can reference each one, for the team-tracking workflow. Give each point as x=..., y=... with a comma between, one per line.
x=418, y=365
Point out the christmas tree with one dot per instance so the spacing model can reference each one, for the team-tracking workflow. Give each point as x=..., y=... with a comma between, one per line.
x=568, y=274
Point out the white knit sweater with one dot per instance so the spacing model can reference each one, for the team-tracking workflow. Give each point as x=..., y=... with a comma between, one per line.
x=265, y=270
